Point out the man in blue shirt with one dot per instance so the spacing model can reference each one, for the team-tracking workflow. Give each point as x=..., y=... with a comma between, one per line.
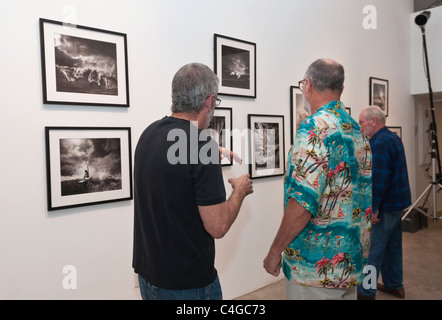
x=391, y=195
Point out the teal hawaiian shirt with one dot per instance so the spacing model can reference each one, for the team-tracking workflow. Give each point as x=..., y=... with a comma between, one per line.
x=329, y=174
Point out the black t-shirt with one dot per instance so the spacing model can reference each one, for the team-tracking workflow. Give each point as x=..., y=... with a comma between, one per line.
x=172, y=250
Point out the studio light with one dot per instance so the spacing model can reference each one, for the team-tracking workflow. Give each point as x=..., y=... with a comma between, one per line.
x=436, y=177
x=422, y=18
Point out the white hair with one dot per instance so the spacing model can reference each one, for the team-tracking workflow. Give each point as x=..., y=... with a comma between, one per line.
x=374, y=112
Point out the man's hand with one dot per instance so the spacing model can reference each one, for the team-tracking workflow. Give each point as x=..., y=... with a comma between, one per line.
x=226, y=153
x=242, y=184
x=272, y=264
x=295, y=219
x=374, y=218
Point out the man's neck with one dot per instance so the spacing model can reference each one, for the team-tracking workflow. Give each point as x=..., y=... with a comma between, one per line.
x=317, y=106
x=194, y=118
x=323, y=99
x=379, y=128
x=185, y=116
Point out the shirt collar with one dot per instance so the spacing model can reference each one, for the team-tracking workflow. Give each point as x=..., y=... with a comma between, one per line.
x=378, y=133
x=332, y=105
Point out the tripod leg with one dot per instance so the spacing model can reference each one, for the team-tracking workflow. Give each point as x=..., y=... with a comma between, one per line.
x=417, y=201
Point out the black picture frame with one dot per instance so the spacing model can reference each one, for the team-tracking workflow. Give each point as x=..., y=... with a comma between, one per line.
x=83, y=65
x=235, y=65
x=221, y=123
x=266, y=156
x=397, y=130
x=379, y=94
x=297, y=111
x=87, y=166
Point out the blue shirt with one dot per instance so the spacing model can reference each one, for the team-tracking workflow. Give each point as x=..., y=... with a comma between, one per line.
x=391, y=188
x=329, y=174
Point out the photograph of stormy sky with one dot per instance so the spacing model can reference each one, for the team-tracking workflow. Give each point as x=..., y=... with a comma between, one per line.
x=235, y=67
x=90, y=165
x=85, y=66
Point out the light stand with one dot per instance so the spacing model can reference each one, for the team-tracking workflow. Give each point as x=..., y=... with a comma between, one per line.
x=421, y=20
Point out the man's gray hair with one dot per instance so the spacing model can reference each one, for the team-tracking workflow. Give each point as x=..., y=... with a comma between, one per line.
x=374, y=112
x=325, y=74
x=191, y=86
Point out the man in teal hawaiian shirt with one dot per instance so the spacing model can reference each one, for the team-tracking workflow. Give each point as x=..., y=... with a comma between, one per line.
x=325, y=231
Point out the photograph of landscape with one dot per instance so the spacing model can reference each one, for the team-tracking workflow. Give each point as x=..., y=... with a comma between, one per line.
x=90, y=165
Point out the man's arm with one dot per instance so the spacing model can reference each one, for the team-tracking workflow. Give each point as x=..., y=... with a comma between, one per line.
x=381, y=173
x=218, y=219
x=295, y=219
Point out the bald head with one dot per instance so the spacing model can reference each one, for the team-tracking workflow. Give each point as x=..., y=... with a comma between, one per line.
x=326, y=74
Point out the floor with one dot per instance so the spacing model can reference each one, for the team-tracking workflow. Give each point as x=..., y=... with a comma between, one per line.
x=422, y=261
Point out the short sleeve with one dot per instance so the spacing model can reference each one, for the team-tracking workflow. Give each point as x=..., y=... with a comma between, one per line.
x=307, y=168
x=208, y=181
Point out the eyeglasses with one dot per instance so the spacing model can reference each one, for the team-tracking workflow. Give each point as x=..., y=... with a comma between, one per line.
x=217, y=101
x=301, y=84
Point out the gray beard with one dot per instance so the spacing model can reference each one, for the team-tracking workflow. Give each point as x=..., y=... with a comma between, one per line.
x=307, y=106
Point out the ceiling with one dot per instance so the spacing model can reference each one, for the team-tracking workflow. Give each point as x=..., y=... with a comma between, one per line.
x=420, y=5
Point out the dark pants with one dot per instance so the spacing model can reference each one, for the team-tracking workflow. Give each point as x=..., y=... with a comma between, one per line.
x=386, y=252
x=210, y=292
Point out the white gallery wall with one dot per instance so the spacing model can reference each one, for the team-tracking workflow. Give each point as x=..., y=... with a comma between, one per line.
x=163, y=35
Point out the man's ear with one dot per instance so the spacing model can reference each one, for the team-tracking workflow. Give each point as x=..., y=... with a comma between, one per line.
x=308, y=89
x=208, y=103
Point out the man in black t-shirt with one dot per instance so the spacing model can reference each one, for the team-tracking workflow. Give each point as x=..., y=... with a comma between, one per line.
x=180, y=200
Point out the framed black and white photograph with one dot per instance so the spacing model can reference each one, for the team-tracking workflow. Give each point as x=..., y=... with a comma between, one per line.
x=221, y=124
x=379, y=92
x=235, y=65
x=87, y=165
x=348, y=111
x=297, y=111
x=266, y=145
x=397, y=130
x=83, y=65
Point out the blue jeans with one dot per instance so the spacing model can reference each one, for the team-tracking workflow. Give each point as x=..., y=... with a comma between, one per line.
x=210, y=292
x=386, y=252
